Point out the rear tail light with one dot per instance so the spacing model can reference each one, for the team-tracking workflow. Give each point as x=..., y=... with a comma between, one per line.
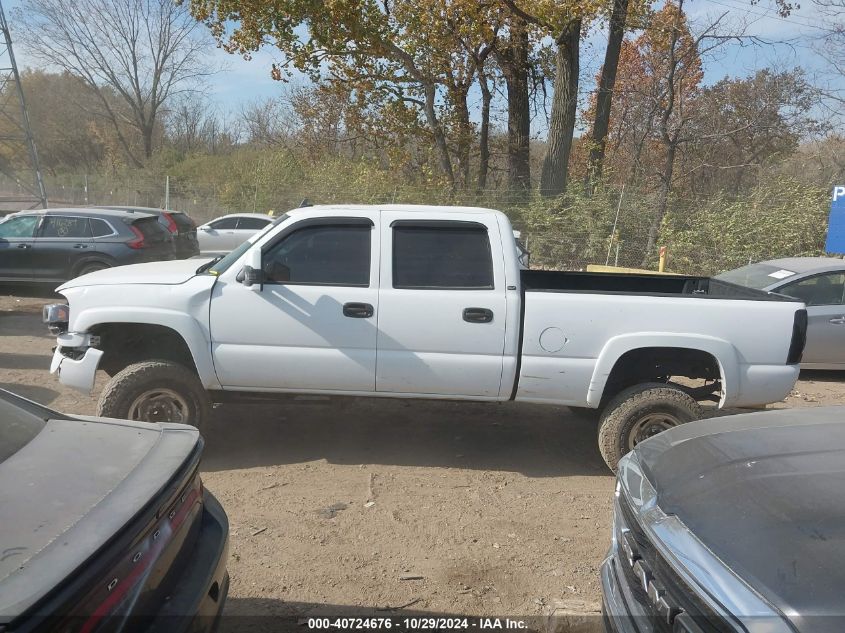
x=122, y=591
x=171, y=223
x=799, y=337
x=138, y=241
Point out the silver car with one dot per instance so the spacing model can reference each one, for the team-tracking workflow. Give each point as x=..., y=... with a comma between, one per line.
x=820, y=283
x=226, y=233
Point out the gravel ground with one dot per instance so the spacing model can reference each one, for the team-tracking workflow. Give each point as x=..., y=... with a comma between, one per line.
x=454, y=508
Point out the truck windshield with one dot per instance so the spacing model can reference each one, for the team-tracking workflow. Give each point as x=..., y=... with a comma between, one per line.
x=231, y=258
x=757, y=276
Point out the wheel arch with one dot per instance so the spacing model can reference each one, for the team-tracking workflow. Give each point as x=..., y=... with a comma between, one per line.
x=190, y=345
x=93, y=258
x=620, y=353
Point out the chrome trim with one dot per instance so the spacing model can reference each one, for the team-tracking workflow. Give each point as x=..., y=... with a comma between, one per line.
x=715, y=583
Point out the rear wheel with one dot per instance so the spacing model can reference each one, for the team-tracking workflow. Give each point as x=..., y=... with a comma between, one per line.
x=156, y=391
x=641, y=412
x=91, y=267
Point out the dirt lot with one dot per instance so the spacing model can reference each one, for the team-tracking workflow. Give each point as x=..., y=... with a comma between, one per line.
x=500, y=509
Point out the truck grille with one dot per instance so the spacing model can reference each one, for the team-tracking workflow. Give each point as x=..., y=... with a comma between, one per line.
x=673, y=606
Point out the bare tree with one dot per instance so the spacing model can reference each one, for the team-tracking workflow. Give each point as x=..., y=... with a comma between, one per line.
x=145, y=51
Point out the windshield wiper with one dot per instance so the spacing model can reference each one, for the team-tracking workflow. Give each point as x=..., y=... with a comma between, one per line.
x=208, y=264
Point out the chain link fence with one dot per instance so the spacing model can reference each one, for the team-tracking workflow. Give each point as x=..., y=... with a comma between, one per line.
x=612, y=231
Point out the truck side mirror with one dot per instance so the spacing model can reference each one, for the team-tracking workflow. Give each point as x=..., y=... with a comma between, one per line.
x=253, y=273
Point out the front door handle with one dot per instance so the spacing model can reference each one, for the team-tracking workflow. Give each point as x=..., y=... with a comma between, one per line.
x=358, y=310
x=80, y=245
x=24, y=245
x=838, y=320
x=478, y=315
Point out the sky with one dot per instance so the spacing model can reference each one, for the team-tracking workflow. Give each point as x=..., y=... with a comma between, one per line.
x=244, y=81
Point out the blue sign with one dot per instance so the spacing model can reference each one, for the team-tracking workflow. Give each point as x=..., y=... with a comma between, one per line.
x=836, y=225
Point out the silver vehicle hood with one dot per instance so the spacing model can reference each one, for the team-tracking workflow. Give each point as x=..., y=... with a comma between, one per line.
x=160, y=273
x=765, y=492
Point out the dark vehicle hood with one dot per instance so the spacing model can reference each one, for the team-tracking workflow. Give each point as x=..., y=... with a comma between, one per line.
x=72, y=488
x=766, y=493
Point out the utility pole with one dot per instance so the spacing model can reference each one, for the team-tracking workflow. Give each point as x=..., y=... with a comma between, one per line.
x=18, y=156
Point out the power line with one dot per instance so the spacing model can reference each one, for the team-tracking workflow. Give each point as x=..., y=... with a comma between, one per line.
x=21, y=164
x=773, y=16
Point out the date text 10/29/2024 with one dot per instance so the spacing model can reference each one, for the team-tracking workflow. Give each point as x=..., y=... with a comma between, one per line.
x=416, y=623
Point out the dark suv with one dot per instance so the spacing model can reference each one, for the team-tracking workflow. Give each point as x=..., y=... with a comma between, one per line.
x=59, y=244
x=180, y=225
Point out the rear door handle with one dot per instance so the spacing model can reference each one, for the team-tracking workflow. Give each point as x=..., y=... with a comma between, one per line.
x=838, y=320
x=24, y=245
x=478, y=315
x=80, y=245
x=358, y=310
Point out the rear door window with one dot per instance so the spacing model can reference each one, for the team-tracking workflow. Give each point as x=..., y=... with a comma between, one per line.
x=450, y=255
x=61, y=226
x=253, y=223
x=224, y=223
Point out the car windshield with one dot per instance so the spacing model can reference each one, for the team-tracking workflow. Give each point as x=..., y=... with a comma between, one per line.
x=17, y=427
x=757, y=276
x=231, y=258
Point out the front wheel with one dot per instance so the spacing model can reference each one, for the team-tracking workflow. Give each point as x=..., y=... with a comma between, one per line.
x=639, y=413
x=156, y=391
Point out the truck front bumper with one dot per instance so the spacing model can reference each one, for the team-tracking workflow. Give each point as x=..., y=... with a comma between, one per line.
x=621, y=613
x=75, y=372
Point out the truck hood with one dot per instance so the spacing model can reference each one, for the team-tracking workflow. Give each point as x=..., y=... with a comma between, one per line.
x=766, y=493
x=67, y=492
x=160, y=273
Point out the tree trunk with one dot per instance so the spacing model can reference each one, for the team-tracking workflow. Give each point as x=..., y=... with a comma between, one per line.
x=564, y=111
x=662, y=202
x=514, y=64
x=439, y=137
x=147, y=131
x=484, y=134
x=604, y=96
x=464, y=136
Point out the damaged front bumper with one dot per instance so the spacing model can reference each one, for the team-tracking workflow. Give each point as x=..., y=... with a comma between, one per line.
x=75, y=360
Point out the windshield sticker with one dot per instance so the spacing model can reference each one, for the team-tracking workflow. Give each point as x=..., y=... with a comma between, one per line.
x=782, y=274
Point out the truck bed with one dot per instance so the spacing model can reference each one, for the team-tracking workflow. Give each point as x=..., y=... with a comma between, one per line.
x=626, y=283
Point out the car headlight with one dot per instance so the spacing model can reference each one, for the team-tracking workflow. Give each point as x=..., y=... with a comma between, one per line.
x=56, y=316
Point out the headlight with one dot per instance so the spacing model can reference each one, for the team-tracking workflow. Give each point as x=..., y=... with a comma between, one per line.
x=56, y=316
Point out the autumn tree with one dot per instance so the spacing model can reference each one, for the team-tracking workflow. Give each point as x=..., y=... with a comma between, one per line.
x=423, y=55
x=604, y=93
x=748, y=122
x=145, y=51
x=563, y=22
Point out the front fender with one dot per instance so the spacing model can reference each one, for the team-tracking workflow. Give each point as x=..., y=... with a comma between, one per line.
x=191, y=331
x=724, y=353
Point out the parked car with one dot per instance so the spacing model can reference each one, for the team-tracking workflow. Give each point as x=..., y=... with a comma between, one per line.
x=106, y=525
x=59, y=244
x=820, y=283
x=733, y=524
x=181, y=226
x=226, y=233
x=422, y=302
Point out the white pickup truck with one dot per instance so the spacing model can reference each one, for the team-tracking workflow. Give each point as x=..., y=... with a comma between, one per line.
x=419, y=302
